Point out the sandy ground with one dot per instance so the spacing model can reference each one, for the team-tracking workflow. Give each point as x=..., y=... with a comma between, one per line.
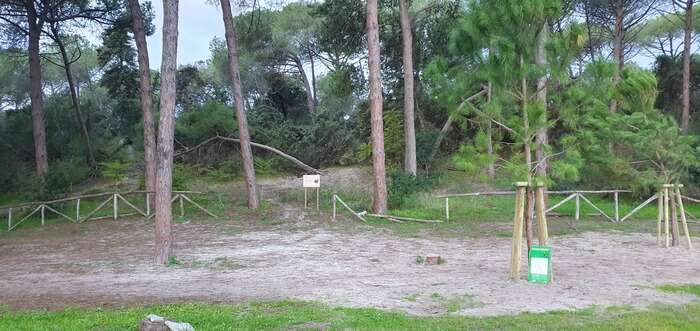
x=107, y=263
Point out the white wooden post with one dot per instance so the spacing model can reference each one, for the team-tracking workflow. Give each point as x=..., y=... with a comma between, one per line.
x=43, y=214
x=334, y=207
x=77, y=211
x=617, y=207
x=578, y=206
x=148, y=204
x=114, y=206
x=9, y=220
x=447, y=209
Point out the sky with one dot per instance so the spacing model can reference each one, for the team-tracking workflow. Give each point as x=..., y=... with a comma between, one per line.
x=198, y=24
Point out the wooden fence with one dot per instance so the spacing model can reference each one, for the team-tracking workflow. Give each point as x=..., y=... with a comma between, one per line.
x=114, y=198
x=577, y=196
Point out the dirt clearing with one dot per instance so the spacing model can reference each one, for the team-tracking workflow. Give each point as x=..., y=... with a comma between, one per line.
x=107, y=263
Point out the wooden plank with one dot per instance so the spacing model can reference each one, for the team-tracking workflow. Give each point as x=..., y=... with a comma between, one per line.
x=59, y=213
x=638, y=208
x=131, y=205
x=683, y=219
x=560, y=203
x=350, y=209
x=596, y=208
x=198, y=206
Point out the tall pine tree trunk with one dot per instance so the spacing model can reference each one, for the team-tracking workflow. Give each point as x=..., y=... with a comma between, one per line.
x=244, y=136
x=35, y=92
x=310, y=101
x=166, y=132
x=149, y=127
x=688, y=30
x=618, y=48
x=541, y=140
x=90, y=155
x=379, y=206
x=410, y=163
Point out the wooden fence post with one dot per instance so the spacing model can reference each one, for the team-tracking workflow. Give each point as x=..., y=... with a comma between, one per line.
x=115, y=205
x=148, y=205
x=447, y=209
x=182, y=207
x=617, y=206
x=516, y=251
x=77, y=211
x=578, y=207
x=334, y=211
x=9, y=220
x=43, y=214
x=683, y=219
x=659, y=216
x=666, y=216
x=540, y=216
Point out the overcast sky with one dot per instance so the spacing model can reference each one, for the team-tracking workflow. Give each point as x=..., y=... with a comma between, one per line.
x=198, y=24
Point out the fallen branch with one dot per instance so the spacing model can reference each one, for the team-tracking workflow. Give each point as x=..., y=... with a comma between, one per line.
x=404, y=218
x=265, y=147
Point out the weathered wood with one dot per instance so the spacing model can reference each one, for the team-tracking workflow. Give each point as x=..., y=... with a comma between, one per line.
x=642, y=205
x=516, y=249
x=182, y=206
x=132, y=205
x=25, y=217
x=199, y=206
x=97, y=209
x=659, y=216
x=683, y=219
x=334, y=207
x=675, y=235
x=43, y=215
x=560, y=203
x=596, y=208
x=77, y=211
x=617, y=206
x=148, y=205
x=666, y=216
x=350, y=209
x=529, y=206
x=447, y=209
x=541, y=217
x=115, y=205
x=691, y=199
x=9, y=219
x=59, y=213
x=404, y=218
x=578, y=207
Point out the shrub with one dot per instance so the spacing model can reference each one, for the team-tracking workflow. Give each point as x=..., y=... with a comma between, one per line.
x=402, y=185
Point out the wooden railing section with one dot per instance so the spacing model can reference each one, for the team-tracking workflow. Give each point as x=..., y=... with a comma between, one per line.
x=113, y=198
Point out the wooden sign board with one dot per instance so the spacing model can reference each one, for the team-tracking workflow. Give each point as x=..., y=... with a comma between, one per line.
x=311, y=181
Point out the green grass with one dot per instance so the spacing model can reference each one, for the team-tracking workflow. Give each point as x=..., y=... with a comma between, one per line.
x=693, y=289
x=293, y=315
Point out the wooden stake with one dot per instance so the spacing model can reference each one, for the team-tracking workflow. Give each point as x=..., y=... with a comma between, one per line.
x=683, y=219
x=334, y=210
x=148, y=205
x=305, y=204
x=675, y=236
x=529, y=206
x=617, y=207
x=77, y=211
x=318, y=199
x=115, y=206
x=43, y=214
x=578, y=207
x=660, y=216
x=516, y=251
x=182, y=207
x=666, y=217
x=9, y=220
x=447, y=209
x=541, y=217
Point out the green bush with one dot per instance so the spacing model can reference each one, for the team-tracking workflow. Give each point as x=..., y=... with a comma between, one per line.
x=62, y=176
x=114, y=170
x=402, y=185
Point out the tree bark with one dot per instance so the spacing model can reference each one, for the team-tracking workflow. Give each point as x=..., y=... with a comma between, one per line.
x=618, y=49
x=541, y=141
x=35, y=92
x=688, y=30
x=310, y=103
x=244, y=136
x=149, y=128
x=379, y=205
x=166, y=133
x=90, y=155
x=410, y=163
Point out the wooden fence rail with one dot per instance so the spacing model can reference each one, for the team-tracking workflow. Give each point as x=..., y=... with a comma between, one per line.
x=578, y=195
x=112, y=197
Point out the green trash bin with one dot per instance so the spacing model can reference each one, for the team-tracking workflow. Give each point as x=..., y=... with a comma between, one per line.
x=540, y=264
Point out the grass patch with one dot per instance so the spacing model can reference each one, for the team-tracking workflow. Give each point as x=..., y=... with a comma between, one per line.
x=693, y=289
x=284, y=315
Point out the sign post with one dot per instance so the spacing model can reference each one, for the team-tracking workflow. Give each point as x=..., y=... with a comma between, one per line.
x=312, y=181
x=540, y=264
